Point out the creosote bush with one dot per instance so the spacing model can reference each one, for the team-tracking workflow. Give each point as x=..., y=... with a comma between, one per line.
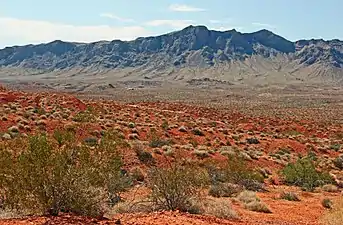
x=303, y=173
x=237, y=172
x=46, y=178
x=177, y=187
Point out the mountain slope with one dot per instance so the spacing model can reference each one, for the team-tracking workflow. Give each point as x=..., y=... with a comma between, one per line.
x=194, y=52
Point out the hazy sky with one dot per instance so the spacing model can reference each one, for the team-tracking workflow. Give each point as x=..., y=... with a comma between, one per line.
x=36, y=21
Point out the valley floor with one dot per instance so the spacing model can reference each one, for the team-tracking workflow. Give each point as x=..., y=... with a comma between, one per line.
x=299, y=120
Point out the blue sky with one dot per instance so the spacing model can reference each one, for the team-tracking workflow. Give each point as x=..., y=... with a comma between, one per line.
x=36, y=21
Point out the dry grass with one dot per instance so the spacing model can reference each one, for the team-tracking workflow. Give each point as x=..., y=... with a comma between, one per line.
x=133, y=207
x=330, y=188
x=258, y=206
x=334, y=216
x=252, y=202
x=220, y=208
x=247, y=197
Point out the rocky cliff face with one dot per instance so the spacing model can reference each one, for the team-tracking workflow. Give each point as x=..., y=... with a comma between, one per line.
x=192, y=47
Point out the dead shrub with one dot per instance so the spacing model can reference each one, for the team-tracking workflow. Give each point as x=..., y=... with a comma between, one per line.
x=224, y=190
x=220, y=208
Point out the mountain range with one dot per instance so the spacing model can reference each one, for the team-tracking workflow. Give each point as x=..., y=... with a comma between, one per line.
x=192, y=54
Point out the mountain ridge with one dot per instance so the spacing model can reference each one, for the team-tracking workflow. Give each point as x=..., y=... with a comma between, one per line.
x=245, y=54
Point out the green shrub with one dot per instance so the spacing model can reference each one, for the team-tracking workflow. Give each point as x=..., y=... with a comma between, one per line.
x=237, y=171
x=143, y=156
x=156, y=141
x=177, y=187
x=327, y=203
x=335, y=147
x=63, y=137
x=86, y=116
x=303, y=173
x=165, y=125
x=45, y=179
x=338, y=162
x=198, y=132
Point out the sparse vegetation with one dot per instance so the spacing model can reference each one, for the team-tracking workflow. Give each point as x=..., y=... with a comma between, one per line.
x=86, y=116
x=258, y=206
x=220, y=208
x=143, y=156
x=238, y=172
x=224, y=190
x=334, y=216
x=289, y=196
x=252, y=202
x=304, y=174
x=198, y=132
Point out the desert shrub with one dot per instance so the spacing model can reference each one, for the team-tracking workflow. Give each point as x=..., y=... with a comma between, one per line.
x=289, y=196
x=91, y=141
x=303, y=173
x=63, y=137
x=177, y=187
x=39, y=111
x=224, y=190
x=143, y=156
x=137, y=175
x=131, y=125
x=330, y=188
x=86, y=116
x=335, y=147
x=133, y=207
x=237, y=171
x=327, y=203
x=258, y=206
x=251, y=141
x=220, y=208
x=202, y=154
x=198, y=132
x=252, y=202
x=156, y=141
x=247, y=197
x=165, y=125
x=70, y=179
x=338, y=162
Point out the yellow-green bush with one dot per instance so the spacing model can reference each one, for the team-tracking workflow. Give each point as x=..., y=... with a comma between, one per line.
x=45, y=178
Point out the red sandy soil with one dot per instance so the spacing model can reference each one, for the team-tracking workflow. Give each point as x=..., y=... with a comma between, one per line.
x=306, y=212
x=228, y=123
